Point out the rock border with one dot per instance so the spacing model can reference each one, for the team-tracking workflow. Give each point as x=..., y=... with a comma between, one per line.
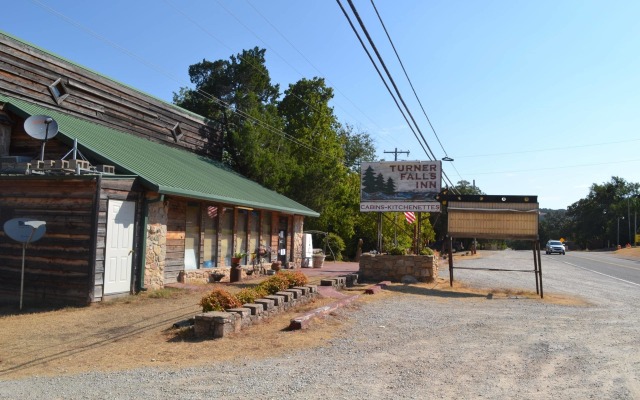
x=218, y=324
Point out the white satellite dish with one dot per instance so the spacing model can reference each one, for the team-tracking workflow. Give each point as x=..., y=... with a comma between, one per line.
x=41, y=127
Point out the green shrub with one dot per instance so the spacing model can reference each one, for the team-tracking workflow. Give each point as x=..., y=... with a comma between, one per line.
x=275, y=283
x=397, y=251
x=219, y=300
x=296, y=278
x=426, y=252
x=336, y=244
x=249, y=295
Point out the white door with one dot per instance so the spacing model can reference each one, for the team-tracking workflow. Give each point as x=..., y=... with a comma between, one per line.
x=119, y=246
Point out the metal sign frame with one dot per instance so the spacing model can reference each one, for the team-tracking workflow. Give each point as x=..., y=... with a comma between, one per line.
x=493, y=217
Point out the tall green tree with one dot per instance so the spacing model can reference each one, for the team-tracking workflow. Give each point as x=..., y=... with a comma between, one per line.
x=238, y=93
x=319, y=154
x=594, y=219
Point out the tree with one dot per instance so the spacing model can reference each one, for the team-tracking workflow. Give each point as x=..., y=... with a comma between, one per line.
x=464, y=187
x=239, y=95
x=358, y=147
x=594, y=219
x=319, y=154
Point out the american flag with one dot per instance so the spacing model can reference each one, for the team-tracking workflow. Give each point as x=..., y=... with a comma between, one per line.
x=410, y=216
x=212, y=211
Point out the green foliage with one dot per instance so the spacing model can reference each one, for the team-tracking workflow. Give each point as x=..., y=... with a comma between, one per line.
x=295, y=278
x=336, y=244
x=274, y=283
x=397, y=251
x=358, y=147
x=426, y=252
x=593, y=221
x=219, y=300
x=249, y=295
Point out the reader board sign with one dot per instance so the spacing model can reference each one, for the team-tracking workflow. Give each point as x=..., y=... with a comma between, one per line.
x=397, y=186
x=491, y=220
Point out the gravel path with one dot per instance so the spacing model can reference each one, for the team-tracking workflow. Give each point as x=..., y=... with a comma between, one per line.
x=414, y=346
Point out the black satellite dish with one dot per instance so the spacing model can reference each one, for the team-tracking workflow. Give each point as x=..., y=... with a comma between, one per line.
x=41, y=127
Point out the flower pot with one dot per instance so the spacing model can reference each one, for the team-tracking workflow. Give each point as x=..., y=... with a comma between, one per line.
x=216, y=277
x=318, y=260
x=235, y=260
x=276, y=265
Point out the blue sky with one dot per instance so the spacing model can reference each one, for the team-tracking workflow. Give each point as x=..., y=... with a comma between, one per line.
x=529, y=98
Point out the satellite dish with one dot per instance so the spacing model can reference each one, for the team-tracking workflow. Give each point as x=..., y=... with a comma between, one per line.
x=25, y=230
x=41, y=127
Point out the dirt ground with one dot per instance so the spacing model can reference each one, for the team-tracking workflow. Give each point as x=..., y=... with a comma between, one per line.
x=138, y=331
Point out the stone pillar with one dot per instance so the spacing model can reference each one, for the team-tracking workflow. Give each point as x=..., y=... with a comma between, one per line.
x=156, y=245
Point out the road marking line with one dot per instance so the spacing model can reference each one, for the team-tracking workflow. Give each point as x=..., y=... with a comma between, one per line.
x=598, y=259
x=596, y=272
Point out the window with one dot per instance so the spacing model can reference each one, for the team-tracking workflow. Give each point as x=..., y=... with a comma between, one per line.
x=241, y=233
x=176, y=132
x=210, y=239
x=59, y=91
x=226, y=235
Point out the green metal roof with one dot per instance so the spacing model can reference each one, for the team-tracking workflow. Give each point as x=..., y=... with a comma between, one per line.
x=162, y=168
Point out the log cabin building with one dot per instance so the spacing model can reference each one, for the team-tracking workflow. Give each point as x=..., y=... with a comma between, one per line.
x=131, y=188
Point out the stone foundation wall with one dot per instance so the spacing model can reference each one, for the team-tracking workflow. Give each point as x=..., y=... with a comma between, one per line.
x=206, y=275
x=397, y=268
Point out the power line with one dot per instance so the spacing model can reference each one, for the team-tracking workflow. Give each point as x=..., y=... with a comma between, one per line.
x=408, y=79
x=382, y=78
x=428, y=153
x=556, y=168
x=177, y=80
x=563, y=148
x=275, y=28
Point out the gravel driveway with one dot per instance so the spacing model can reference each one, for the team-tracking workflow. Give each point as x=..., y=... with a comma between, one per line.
x=422, y=346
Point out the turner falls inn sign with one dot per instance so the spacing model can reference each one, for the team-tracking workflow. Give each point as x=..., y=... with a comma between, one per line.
x=398, y=186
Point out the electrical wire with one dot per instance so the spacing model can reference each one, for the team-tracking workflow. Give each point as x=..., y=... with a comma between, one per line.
x=430, y=154
x=407, y=76
x=177, y=80
x=382, y=77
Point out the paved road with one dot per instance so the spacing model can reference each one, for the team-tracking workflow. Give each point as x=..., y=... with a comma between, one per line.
x=603, y=264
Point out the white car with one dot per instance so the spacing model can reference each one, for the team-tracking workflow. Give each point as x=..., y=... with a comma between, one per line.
x=555, y=246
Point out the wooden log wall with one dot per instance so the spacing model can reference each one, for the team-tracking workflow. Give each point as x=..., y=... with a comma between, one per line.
x=125, y=189
x=176, y=227
x=27, y=73
x=58, y=267
x=24, y=145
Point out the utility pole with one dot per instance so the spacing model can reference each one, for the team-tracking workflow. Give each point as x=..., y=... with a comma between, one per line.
x=396, y=152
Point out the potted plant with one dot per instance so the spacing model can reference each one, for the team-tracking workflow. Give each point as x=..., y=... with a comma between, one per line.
x=237, y=257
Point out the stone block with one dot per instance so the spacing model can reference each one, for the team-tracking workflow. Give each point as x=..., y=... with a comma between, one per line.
x=288, y=296
x=312, y=288
x=303, y=289
x=351, y=280
x=278, y=300
x=267, y=304
x=243, y=313
x=297, y=293
x=255, y=309
x=328, y=282
x=216, y=324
